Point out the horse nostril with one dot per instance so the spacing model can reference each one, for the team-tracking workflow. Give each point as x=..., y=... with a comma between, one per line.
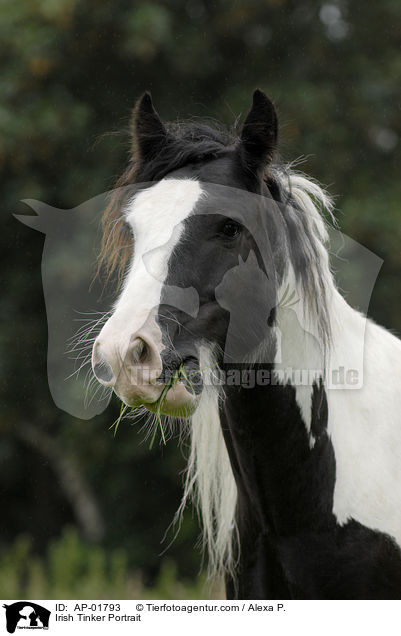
x=101, y=367
x=103, y=372
x=140, y=351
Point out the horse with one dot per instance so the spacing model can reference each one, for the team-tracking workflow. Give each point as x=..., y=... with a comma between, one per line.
x=222, y=263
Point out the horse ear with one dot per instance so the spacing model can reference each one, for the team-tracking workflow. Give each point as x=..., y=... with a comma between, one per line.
x=259, y=133
x=149, y=134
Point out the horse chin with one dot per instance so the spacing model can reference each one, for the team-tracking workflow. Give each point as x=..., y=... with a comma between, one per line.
x=179, y=402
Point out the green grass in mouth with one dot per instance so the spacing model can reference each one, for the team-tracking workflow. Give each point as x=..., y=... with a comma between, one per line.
x=127, y=410
x=172, y=382
x=180, y=374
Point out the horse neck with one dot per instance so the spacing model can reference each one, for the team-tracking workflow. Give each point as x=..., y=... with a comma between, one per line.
x=276, y=432
x=285, y=484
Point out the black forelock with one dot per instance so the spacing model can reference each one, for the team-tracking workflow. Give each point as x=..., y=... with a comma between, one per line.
x=188, y=142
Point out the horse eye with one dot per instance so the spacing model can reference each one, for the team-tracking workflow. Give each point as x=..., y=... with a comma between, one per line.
x=232, y=229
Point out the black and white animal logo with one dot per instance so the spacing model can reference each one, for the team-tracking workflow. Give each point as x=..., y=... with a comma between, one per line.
x=26, y=615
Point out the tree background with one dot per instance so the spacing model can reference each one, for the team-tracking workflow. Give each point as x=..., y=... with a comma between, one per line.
x=71, y=71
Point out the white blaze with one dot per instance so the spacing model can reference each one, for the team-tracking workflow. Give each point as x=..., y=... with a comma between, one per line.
x=156, y=217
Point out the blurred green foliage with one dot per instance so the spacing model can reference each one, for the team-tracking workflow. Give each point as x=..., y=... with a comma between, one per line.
x=74, y=569
x=71, y=71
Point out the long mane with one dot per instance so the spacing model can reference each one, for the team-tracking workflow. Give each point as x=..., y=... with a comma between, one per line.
x=209, y=481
